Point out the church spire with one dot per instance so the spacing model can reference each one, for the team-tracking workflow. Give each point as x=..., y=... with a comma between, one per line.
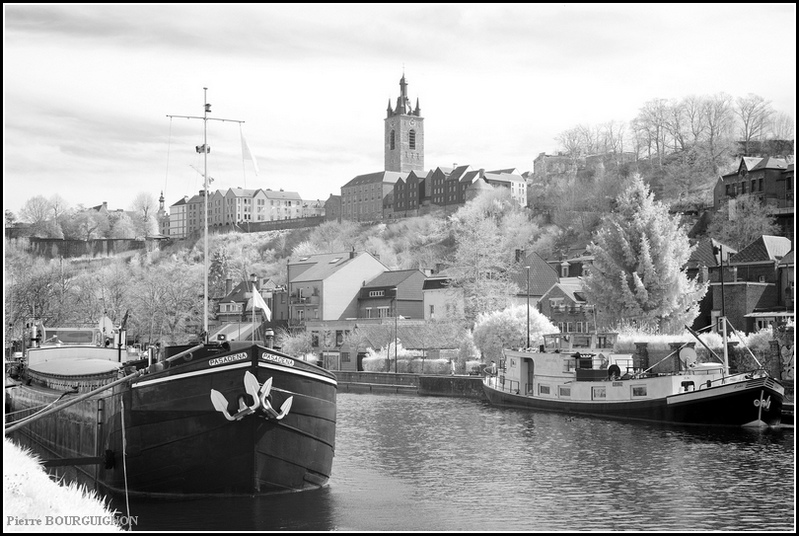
x=403, y=103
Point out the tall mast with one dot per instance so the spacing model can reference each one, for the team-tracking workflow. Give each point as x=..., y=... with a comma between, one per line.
x=206, y=109
x=205, y=149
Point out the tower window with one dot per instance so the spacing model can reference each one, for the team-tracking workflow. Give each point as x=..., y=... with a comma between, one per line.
x=412, y=139
x=391, y=140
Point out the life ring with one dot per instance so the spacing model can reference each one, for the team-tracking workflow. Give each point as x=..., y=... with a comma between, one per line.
x=614, y=370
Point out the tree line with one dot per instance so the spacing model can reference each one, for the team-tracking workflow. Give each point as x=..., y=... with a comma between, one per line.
x=53, y=218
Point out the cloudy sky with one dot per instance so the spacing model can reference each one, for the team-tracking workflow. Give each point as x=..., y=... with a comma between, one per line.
x=88, y=88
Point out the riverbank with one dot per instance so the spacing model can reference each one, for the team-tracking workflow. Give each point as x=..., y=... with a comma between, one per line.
x=410, y=384
x=33, y=502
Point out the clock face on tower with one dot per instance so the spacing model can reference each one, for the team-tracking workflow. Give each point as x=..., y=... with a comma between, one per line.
x=412, y=122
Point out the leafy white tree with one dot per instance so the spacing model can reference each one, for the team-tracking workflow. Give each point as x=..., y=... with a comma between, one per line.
x=638, y=275
x=482, y=258
x=495, y=331
x=122, y=226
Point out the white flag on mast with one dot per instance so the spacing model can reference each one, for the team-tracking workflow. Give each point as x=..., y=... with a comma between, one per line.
x=246, y=152
x=259, y=303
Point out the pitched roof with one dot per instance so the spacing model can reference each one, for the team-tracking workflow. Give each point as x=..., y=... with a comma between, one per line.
x=436, y=283
x=272, y=194
x=391, y=278
x=542, y=275
x=787, y=260
x=390, y=177
x=323, y=266
x=770, y=163
x=241, y=192
x=503, y=177
x=765, y=248
x=571, y=287
x=749, y=162
x=703, y=254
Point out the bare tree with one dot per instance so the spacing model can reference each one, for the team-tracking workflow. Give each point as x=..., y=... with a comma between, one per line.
x=781, y=127
x=145, y=207
x=571, y=141
x=652, y=119
x=692, y=108
x=755, y=113
x=59, y=207
x=718, y=114
x=675, y=124
x=36, y=212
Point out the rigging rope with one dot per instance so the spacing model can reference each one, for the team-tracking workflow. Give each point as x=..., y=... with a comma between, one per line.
x=168, y=152
x=124, y=460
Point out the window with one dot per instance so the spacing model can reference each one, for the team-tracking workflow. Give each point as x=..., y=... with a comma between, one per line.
x=432, y=311
x=412, y=139
x=564, y=391
x=543, y=389
x=639, y=390
x=377, y=293
x=382, y=312
x=315, y=339
x=391, y=144
x=598, y=393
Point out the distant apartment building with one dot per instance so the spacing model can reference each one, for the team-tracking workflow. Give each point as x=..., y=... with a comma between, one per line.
x=362, y=197
x=312, y=208
x=178, y=218
x=409, y=194
x=333, y=208
x=510, y=179
x=233, y=208
x=282, y=205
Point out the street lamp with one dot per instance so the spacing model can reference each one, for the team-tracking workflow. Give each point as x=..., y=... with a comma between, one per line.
x=396, y=317
x=717, y=250
x=528, y=307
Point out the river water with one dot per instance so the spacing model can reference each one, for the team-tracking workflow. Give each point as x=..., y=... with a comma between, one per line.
x=413, y=463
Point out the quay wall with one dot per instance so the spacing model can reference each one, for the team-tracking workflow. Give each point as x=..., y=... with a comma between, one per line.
x=414, y=384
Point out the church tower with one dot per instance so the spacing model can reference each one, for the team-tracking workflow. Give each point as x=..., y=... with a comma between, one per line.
x=404, y=134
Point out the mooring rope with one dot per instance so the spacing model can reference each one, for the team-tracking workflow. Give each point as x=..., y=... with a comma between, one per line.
x=124, y=461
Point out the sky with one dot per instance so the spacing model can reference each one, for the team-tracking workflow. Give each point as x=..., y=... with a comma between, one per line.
x=88, y=89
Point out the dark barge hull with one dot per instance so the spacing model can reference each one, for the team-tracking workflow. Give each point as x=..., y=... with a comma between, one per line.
x=177, y=444
x=756, y=402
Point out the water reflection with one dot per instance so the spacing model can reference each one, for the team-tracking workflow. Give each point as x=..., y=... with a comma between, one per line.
x=444, y=464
